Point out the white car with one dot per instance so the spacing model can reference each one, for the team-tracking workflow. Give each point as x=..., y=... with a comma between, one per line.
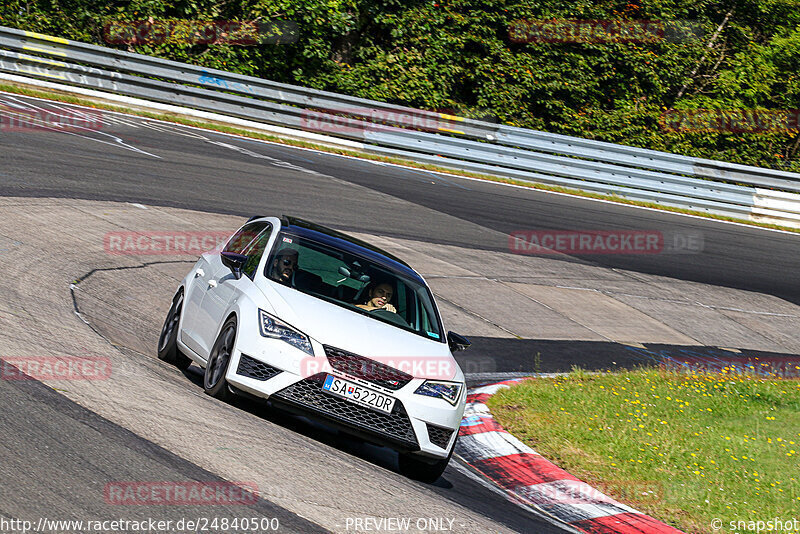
x=326, y=326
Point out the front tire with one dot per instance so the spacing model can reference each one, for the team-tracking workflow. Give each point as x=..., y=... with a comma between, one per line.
x=214, y=381
x=416, y=468
x=168, y=340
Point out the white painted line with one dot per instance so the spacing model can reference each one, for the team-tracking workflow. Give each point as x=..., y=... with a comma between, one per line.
x=280, y=130
x=574, y=512
x=568, y=491
x=477, y=408
x=633, y=344
x=492, y=444
x=491, y=390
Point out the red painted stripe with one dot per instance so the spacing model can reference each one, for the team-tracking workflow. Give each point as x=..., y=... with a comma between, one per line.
x=512, y=381
x=487, y=424
x=478, y=397
x=626, y=523
x=523, y=469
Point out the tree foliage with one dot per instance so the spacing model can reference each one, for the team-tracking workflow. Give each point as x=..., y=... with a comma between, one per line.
x=459, y=55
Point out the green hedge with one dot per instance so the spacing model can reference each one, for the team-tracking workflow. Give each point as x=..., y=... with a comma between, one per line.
x=460, y=56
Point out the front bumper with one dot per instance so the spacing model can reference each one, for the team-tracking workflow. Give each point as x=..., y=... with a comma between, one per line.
x=423, y=425
x=308, y=398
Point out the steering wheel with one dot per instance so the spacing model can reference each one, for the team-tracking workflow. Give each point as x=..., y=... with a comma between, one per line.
x=389, y=316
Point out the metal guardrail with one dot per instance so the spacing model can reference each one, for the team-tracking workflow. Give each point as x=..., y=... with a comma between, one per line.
x=218, y=80
x=454, y=142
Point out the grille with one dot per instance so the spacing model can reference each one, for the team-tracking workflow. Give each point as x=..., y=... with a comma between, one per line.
x=252, y=368
x=367, y=369
x=439, y=436
x=308, y=393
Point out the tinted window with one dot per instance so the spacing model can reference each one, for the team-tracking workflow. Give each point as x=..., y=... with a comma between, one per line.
x=346, y=280
x=246, y=234
x=255, y=250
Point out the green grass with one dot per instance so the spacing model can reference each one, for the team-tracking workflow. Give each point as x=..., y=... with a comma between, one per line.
x=220, y=127
x=684, y=448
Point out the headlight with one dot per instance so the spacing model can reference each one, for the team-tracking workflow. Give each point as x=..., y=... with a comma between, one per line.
x=275, y=328
x=449, y=391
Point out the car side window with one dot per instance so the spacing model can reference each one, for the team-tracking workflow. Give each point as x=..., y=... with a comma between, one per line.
x=246, y=234
x=255, y=250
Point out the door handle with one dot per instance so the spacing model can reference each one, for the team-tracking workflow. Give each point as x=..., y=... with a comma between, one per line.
x=200, y=272
x=212, y=283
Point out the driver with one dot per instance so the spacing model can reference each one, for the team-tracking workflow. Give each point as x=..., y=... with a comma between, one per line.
x=284, y=266
x=378, y=298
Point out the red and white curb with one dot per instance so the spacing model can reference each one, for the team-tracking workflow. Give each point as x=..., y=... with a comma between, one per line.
x=529, y=478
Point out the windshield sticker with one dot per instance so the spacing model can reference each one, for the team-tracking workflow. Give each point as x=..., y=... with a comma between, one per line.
x=287, y=239
x=433, y=335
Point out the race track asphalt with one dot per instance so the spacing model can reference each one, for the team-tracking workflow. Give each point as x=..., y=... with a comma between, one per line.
x=156, y=164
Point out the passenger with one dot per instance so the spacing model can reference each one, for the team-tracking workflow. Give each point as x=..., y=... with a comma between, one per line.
x=284, y=266
x=378, y=298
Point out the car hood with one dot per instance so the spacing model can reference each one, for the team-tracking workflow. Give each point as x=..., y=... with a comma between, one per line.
x=347, y=330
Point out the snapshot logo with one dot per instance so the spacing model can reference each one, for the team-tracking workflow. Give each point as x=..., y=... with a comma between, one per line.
x=740, y=526
x=54, y=368
x=541, y=242
x=197, y=32
x=26, y=120
x=730, y=120
x=602, y=31
x=180, y=493
x=382, y=368
x=163, y=243
x=355, y=120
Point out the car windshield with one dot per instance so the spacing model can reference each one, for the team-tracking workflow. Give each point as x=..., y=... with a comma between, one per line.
x=353, y=282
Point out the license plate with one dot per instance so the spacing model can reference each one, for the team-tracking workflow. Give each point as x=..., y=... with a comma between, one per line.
x=358, y=394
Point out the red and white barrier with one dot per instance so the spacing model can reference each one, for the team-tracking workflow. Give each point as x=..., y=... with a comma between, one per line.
x=533, y=480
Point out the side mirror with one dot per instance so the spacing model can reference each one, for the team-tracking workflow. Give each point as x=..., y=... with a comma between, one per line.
x=457, y=342
x=234, y=262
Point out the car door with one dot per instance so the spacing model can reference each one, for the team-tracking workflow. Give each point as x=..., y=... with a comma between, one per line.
x=223, y=287
x=207, y=266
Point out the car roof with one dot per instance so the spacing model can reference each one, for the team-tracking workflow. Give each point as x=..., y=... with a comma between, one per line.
x=329, y=236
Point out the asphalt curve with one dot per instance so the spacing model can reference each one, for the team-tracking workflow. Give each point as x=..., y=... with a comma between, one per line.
x=132, y=160
x=179, y=167
x=75, y=453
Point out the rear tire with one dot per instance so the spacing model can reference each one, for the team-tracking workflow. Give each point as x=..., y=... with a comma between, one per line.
x=168, y=340
x=214, y=382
